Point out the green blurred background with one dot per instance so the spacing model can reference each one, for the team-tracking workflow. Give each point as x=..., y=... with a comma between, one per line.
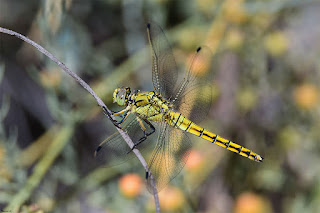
x=266, y=98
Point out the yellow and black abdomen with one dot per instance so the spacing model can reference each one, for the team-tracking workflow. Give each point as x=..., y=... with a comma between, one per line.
x=177, y=120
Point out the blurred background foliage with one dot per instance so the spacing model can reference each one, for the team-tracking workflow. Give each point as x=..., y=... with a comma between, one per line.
x=266, y=97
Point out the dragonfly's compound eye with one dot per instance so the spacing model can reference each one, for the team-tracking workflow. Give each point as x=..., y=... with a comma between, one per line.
x=120, y=97
x=122, y=94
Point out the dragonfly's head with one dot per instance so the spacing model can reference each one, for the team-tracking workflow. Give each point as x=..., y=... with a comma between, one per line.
x=120, y=96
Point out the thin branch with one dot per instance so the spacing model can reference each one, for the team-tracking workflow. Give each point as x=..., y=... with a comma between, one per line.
x=95, y=96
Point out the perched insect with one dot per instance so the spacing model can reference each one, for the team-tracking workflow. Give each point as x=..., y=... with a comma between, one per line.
x=170, y=111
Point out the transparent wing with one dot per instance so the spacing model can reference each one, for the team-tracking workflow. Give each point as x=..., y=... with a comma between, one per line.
x=168, y=157
x=114, y=150
x=193, y=97
x=164, y=68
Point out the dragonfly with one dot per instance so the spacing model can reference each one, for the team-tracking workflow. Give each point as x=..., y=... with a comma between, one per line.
x=171, y=110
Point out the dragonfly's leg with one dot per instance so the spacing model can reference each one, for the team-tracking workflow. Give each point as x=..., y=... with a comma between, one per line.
x=123, y=118
x=146, y=134
x=120, y=112
x=113, y=112
x=109, y=115
x=151, y=126
x=115, y=122
x=153, y=130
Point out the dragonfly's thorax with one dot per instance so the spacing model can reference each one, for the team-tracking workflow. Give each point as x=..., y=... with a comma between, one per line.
x=150, y=105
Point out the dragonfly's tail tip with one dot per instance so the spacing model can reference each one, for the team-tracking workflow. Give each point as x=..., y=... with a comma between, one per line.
x=148, y=25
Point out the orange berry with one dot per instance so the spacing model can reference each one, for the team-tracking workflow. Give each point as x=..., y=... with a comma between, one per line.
x=200, y=64
x=249, y=202
x=171, y=199
x=130, y=185
x=195, y=160
x=306, y=96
